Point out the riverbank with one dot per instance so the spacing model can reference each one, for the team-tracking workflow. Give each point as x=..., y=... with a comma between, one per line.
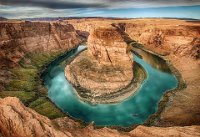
x=179, y=106
x=154, y=118
x=183, y=107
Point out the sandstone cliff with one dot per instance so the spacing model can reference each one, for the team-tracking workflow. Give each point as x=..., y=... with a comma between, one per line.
x=177, y=37
x=163, y=36
x=108, y=47
x=16, y=120
x=19, y=121
x=20, y=38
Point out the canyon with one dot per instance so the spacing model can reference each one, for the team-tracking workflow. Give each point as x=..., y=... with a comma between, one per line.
x=177, y=41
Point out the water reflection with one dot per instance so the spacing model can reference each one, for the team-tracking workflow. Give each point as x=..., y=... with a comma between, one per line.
x=155, y=61
x=134, y=110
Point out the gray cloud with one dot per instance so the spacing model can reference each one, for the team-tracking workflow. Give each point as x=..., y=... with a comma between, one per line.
x=68, y=4
x=66, y=8
x=52, y=4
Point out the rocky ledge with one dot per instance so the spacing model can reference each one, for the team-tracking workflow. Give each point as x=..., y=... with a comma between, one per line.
x=16, y=120
x=103, y=70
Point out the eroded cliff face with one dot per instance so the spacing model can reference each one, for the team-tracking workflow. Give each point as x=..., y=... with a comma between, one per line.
x=177, y=37
x=164, y=36
x=16, y=120
x=108, y=47
x=106, y=66
x=20, y=38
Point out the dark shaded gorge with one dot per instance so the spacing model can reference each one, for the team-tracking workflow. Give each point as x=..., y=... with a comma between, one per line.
x=134, y=110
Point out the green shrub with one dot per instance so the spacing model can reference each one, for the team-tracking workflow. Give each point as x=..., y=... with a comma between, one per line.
x=25, y=97
x=16, y=85
x=45, y=107
x=24, y=74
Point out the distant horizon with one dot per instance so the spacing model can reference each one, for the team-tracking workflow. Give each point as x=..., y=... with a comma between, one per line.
x=110, y=17
x=77, y=17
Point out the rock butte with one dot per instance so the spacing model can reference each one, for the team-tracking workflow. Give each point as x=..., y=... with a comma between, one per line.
x=105, y=67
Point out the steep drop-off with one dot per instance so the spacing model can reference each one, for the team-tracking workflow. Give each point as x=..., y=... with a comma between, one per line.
x=19, y=38
x=177, y=37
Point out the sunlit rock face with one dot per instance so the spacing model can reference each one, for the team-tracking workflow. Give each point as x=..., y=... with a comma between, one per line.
x=16, y=120
x=105, y=67
x=107, y=47
x=19, y=38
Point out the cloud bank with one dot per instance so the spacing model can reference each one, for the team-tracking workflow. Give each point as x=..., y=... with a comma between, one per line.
x=55, y=8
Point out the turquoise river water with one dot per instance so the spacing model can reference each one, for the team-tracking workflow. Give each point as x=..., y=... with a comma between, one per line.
x=134, y=110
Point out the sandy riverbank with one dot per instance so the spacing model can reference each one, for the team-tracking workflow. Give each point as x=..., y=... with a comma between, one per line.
x=183, y=107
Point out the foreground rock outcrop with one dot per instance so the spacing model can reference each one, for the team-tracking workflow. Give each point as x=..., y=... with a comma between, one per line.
x=106, y=66
x=16, y=120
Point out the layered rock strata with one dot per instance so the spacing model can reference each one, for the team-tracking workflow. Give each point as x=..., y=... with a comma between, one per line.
x=19, y=38
x=106, y=67
x=178, y=37
x=18, y=121
x=163, y=36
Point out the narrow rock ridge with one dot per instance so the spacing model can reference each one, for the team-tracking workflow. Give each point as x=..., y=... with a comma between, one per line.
x=105, y=67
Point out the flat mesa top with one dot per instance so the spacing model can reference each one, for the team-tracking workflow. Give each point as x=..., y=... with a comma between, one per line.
x=106, y=33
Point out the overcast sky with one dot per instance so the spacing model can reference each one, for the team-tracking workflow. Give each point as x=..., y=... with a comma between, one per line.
x=103, y=8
